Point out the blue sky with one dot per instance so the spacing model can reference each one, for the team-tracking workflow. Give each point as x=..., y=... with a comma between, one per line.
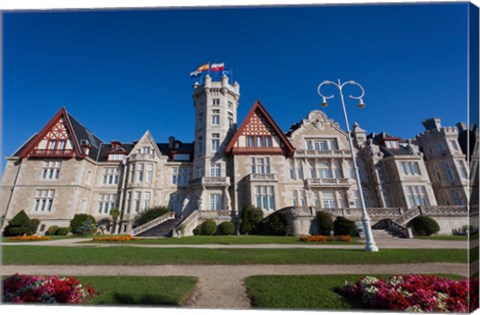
x=123, y=72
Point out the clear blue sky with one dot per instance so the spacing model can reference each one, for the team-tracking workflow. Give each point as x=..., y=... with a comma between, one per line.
x=123, y=72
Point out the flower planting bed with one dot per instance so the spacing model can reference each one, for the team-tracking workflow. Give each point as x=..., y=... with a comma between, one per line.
x=38, y=289
x=118, y=238
x=323, y=238
x=27, y=238
x=413, y=293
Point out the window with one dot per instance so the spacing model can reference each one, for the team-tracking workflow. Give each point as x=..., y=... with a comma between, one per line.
x=216, y=117
x=110, y=176
x=463, y=169
x=146, y=150
x=52, y=144
x=328, y=198
x=292, y=170
x=230, y=119
x=299, y=170
x=265, y=197
x=106, y=202
x=268, y=141
x=449, y=172
x=61, y=145
x=200, y=118
x=216, y=102
x=457, y=198
x=215, y=201
x=149, y=173
x=250, y=141
x=258, y=141
x=391, y=144
x=51, y=169
x=176, y=202
x=323, y=170
x=260, y=165
x=417, y=196
x=199, y=171
x=146, y=201
x=440, y=147
x=180, y=176
x=294, y=198
x=138, y=196
x=129, y=202
x=140, y=172
x=116, y=157
x=454, y=145
x=316, y=200
x=311, y=165
x=410, y=168
x=230, y=105
x=43, y=200
x=215, y=170
x=321, y=144
x=338, y=170
x=215, y=142
x=132, y=173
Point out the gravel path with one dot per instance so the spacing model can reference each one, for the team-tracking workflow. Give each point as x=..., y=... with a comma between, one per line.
x=222, y=286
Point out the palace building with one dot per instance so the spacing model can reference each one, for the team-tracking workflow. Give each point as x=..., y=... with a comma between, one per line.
x=66, y=169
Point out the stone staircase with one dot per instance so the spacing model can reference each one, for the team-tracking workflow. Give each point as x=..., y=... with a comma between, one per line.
x=163, y=229
x=382, y=235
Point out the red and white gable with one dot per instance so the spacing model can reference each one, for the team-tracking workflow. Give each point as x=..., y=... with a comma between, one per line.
x=55, y=140
x=259, y=134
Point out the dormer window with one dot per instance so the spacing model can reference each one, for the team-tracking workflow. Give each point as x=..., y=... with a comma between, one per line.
x=391, y=144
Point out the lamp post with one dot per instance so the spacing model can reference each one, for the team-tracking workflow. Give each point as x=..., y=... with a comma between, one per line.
x=369, y=242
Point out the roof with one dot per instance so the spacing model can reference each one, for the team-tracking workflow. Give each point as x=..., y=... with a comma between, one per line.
x=379, y=139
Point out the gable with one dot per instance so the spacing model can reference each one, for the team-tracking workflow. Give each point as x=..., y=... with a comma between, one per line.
x=259, y=134
x=56, y=139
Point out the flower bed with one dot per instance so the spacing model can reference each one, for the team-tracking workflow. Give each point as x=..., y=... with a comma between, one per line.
x=117, y=238
x=27, y=238
x=413, y=293
x=323, y=238
x=38, y=289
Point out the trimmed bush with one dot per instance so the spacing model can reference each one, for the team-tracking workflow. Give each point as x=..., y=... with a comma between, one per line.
x=251, y=217
x=33, y=226
x=197, y=230
x=21, y=224
x=424, y=226
x=276, y=224
x=226, y=228
x=209, y=227
x=20, y=219
x=151, y=214
x=16, y=230
x=325, y=223
x=52, y=230
x=78, y=225
x=63, y=231
x=343, y=226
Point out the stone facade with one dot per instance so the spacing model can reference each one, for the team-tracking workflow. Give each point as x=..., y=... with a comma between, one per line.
x=65, y=169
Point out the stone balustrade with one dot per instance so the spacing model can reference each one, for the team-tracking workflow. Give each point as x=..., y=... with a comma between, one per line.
x=320, y=182
x=142, y=228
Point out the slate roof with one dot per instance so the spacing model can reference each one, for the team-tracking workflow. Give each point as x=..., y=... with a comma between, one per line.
x=378, y=140
x=82, y=133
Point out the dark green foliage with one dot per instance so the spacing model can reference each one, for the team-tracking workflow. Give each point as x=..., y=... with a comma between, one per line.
x=20, y=219
x=151, y=214
x=325, y=223
x=343, y=226
x=197, y=230
x=16, y=230
x=251, y=217
x=62, y=231
x=226, y=228
x=33, y=226
x=424, y=226
x=209, y=227
x=52, y=230
x=275, y=224
x=77, y=225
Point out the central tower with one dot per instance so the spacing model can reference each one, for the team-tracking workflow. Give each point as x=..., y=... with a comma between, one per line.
x=216, y=104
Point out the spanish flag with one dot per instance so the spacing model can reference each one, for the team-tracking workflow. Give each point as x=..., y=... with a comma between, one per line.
x=204, y=67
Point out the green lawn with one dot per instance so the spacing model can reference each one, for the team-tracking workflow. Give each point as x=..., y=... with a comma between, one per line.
x=234, y=240
x=125, y=255
x=302, y=292
x=5, y=239
x=444, y=237
x=172, y=290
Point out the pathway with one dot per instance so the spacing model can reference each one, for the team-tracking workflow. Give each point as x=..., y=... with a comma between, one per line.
x=222, y=286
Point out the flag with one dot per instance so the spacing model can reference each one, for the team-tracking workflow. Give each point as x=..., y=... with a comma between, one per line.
x=204, y=67
x=195, y=74
x=218, y=66
x=227, y=72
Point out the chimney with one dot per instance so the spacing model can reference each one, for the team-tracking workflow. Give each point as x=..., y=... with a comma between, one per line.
x=115, y=144
x=85, y=144
x=432, y=123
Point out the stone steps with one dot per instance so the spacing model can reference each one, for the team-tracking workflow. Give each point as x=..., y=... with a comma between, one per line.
x=163, y=229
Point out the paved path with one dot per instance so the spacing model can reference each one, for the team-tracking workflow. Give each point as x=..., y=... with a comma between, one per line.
x=222, y=286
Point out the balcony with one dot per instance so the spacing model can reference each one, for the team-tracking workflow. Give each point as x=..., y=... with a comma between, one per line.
x=262, y=177
x=210, y=182
x=327, y=182
x=322, y=153
x=52, y=153
x=142, y=157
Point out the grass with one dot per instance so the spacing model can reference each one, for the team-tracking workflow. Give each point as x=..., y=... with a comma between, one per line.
x=171, y=290
x=444, y=237
x=125, y=255
x=303, y=292
x=5, y=239
x=235, y=240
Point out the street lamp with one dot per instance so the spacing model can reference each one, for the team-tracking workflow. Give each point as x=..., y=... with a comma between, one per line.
x=369, y=242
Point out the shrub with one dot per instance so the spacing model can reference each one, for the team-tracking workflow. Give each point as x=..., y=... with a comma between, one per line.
x=63, y=231
x=151, y=214
x=276, y=224
x=209, y=227
x=197, y=230
x=251, y=217
x=18, y=225
x=20, y=219
x=16, y=230
x=52, y=230
x=226, y=228
x=77, y=225
x=343, y=226
x=88, y=228
x=325, y=223
x=33, y=226
x=424, y=226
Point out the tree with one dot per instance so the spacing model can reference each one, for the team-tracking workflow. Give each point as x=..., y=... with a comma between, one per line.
x=21, y=224
x=114, y=213
x=325, y=223
x=424, y=226
x=251, y=217
x=77, y=225
x=343, y=226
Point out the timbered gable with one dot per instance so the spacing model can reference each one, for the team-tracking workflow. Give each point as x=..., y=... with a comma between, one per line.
x=259, y=134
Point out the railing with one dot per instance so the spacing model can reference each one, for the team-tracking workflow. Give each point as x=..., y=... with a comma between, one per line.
x=266, y=150
x=393, y=228
x=211, y=181
x=215, y=214
x=314, y=153
x=408, y=215
x=52, y=153
x=142, y=157
x=147, y=226
x=327, y=181
x=444, y=210
x=261, y=177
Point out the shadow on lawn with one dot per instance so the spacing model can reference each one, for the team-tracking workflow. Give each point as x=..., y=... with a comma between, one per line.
x=145, y=299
